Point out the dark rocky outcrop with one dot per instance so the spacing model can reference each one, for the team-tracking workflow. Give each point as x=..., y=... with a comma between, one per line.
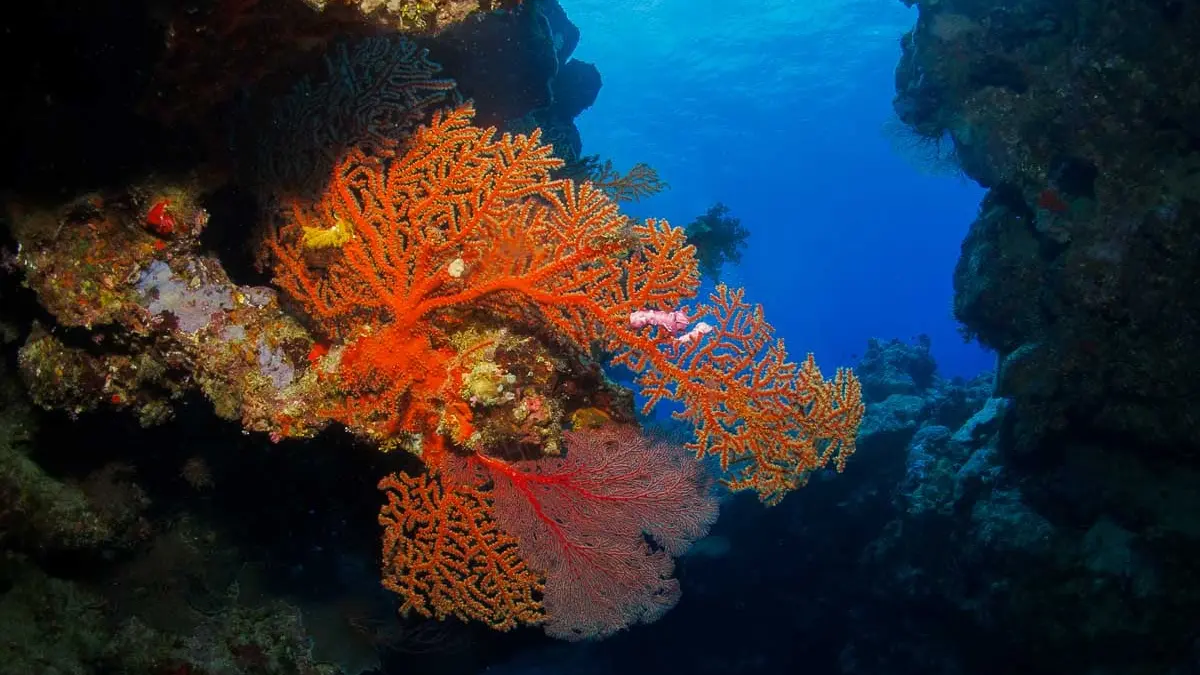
x=1083, y=265
x=1069, y=515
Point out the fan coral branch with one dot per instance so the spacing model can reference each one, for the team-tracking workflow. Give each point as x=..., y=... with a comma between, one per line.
x=402, y=252
x=444, y=556
x=771, y=422
x=374, y=92
x=585, y=519
x=640, y=182
x=464, y=222
x=583, y=523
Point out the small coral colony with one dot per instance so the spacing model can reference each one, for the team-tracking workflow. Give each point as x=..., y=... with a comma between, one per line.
x=445, y=290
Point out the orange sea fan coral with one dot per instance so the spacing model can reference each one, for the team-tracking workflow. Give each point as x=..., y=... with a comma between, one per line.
x=771, y=422
x=402, y=254
x=463, y=221
x=603, y=523
x=598, y=529
x=444, y=555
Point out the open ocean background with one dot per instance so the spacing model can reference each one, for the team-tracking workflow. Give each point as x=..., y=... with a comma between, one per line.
x=782, y=111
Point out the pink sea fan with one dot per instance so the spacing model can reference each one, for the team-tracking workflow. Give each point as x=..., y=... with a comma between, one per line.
x=603, y=523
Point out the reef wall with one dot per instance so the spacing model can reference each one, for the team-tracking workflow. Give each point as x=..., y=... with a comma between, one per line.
x=1081, y=270
x=1081, y=121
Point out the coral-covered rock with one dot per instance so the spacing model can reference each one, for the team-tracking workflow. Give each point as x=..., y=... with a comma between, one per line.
x=895, y=367
x=574, y=89
x=1081, y=121
x=130, y=262
x=503, y=62
x=1080, y=270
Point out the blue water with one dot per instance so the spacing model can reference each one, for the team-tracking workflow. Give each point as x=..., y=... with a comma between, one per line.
x=778, y=108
